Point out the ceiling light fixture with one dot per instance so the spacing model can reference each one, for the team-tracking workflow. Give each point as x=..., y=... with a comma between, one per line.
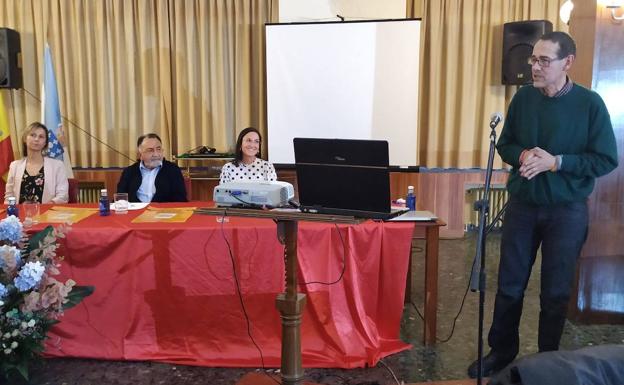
x=614, y=5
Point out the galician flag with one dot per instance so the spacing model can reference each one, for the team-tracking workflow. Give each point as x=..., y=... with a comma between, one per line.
x=51, y=112
x=6, y=151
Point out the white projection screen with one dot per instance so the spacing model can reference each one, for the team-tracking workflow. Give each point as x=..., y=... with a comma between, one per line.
x=348, y=80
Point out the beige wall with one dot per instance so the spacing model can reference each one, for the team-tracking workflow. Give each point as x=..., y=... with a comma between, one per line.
x=326, y=10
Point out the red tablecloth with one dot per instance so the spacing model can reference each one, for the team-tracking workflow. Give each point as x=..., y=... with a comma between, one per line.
x=166, y=292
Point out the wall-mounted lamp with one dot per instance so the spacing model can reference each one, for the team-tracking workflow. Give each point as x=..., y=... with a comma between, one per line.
x=565, y=11
x=615, y=5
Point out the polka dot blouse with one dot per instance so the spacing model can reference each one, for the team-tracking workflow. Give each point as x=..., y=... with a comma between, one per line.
x=258, y=170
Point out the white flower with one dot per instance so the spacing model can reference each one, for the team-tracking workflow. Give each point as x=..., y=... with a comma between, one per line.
x=31, y=323
x=3, y=289
x=7, y=335
x=29, y=276
x=23, y=325
x=11, y=229
x=15, y=333
x=14, y=344
x=7, y=351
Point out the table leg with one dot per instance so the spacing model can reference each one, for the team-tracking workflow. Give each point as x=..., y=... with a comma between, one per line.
x=408, y=280
x=290, y=305
x=431, y=285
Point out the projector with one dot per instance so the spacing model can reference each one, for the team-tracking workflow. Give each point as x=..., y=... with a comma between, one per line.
x=253, y=193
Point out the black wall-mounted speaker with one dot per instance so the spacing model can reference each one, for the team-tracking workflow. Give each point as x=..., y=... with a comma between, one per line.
x=518, y=40
x=10, y=63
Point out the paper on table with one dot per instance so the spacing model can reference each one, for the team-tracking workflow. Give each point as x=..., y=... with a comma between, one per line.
x=415, y=216
x=132, y=205
x=165, y=215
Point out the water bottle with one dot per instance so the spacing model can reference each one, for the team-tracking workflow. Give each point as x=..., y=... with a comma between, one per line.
x=104, y=203
x=410, y=200
x=12, y=209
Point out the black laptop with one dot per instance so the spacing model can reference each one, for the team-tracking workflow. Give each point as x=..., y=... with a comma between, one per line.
x=344, y=177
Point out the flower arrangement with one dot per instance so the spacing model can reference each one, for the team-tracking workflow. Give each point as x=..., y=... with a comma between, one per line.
x=31, y=299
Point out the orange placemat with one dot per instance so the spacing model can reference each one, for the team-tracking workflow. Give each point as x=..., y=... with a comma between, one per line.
x=62, y=214
x=70, y=208
x=170, y=214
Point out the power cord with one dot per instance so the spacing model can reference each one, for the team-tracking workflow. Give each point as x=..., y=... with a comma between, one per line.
x=391, y=372
x=81, y=129
x=240, y=297
x=344, y=263
x=344, y=257
x=461, y=308
x=247, y=204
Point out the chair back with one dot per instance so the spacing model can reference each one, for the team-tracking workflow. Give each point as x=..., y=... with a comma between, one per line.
x=74, y=190
x=188, y=186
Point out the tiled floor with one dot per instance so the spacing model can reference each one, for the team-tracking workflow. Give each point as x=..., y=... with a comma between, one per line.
x=444, y=361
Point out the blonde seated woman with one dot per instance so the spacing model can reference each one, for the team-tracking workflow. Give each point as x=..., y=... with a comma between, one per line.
x=36, y=178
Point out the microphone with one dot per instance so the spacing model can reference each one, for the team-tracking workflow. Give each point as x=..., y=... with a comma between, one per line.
x=495, y=118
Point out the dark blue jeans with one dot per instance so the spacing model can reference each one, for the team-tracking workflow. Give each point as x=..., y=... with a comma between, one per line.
x=560, y=230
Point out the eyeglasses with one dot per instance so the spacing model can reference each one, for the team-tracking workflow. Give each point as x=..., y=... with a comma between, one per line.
x=543, y=61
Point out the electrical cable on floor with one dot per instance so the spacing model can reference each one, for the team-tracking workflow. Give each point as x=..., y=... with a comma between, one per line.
x=417, y=311
x=461, y=308
x=240, y=297
x=344, y=263
x=391, y=372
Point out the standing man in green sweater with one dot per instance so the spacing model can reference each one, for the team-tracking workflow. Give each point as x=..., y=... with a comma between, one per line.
x=558, y=138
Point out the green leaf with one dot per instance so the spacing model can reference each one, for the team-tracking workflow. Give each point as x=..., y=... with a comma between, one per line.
x=22, y=368
x=33, y=242
x=48, y=323
x=76, y=295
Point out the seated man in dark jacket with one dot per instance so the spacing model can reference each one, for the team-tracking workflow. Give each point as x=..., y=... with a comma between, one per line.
x=152, y=178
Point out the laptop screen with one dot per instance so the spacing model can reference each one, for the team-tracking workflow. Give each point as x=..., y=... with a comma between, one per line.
x=346, y=174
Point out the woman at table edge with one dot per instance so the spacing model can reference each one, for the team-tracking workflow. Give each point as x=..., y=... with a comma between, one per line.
x=247, y=164
x=36, y=177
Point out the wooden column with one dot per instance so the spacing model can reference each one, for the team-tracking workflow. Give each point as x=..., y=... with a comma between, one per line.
x=290, y=305
x=600, y=66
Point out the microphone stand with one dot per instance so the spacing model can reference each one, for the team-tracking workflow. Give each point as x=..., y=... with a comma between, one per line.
x=478, y=275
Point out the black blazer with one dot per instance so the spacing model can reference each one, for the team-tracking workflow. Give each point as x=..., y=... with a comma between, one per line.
x=169, y=183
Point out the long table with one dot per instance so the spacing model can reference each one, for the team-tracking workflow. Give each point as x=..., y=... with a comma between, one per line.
x=167, y=292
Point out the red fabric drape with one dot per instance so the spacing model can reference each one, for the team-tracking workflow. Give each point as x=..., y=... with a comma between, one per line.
x=6, y=151
x=166, y=292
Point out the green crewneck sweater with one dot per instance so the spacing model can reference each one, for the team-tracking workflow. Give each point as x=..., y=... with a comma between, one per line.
x=576, y=126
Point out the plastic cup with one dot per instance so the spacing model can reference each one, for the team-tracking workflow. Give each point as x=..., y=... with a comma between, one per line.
x=31, y=213
x=121, y=203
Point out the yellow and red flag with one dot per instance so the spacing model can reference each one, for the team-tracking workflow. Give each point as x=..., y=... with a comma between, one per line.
x=6, y=150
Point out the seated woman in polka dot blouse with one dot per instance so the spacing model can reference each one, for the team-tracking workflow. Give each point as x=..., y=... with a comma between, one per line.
x=247, y=164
